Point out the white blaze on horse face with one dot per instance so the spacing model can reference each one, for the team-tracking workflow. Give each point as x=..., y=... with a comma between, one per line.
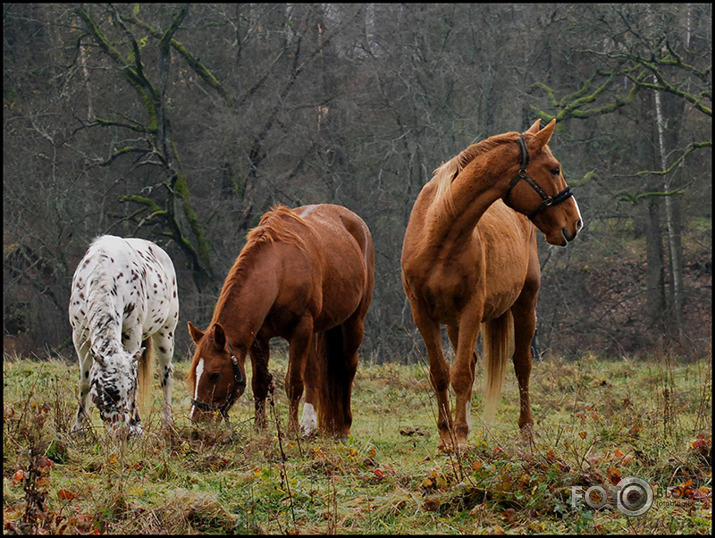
x=199, y=371
x=578, y=211
x=469, y=416
x=309, y=422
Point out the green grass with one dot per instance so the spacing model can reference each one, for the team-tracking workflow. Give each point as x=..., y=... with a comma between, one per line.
x=596, y=422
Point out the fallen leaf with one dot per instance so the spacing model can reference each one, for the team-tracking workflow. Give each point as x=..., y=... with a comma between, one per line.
x=614, y=476
x=431, y=504
x=65, y=494
x=18, y=477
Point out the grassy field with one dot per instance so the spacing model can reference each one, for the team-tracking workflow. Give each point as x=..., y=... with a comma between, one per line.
x=597, y=422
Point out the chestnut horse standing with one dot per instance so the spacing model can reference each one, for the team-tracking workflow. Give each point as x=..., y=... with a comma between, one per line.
x=307, y=275
x=469, y=259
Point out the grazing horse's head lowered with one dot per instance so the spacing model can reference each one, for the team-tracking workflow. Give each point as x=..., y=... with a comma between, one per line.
x=217, y=376
x=114, y=391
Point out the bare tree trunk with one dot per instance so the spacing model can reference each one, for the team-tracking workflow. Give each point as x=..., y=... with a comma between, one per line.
x=676, y=306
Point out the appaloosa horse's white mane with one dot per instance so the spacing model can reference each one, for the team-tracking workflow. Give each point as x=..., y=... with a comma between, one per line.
x=124, y=307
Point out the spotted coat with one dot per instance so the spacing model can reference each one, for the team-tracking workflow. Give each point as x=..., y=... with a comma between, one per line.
x=123, y=294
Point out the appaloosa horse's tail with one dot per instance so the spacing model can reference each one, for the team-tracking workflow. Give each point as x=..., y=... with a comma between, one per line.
x=497, y=338
x=144, y=376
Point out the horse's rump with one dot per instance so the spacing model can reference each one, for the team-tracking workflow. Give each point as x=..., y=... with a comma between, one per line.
x=342, y=243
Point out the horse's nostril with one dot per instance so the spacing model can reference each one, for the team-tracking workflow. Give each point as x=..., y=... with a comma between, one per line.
x=566, y=235
x=579, y=224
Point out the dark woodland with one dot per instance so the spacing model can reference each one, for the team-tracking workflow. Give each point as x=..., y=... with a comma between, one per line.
x=184, y=124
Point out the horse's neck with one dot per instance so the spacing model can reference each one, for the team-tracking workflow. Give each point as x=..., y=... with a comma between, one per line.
x=104, y=321
x=246, y=299
x=474, y=189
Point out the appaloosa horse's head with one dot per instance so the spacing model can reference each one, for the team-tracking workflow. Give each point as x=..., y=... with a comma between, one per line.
x=113, y=381
x=217, y=377
x=539, y=189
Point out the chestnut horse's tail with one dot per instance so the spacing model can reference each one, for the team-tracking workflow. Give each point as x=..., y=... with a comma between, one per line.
x=497, y=338
x=333, y=385
x=144, y=376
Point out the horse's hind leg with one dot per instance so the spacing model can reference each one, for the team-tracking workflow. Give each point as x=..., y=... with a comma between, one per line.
x=524, y=325
x=352, y=332
x=164, y=348
x=85, y=363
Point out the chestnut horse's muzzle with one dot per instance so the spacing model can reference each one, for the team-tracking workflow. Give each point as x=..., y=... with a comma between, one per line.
x=239, y=382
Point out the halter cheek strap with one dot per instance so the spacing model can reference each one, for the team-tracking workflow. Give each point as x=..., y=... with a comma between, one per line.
x=546, y=200
x=238, y=380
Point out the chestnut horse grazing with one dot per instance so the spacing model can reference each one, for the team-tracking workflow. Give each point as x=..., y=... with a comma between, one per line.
x=469, y=259
x=306, y=275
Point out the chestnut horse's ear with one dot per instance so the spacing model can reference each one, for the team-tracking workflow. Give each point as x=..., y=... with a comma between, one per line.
x=544, y=135
x=196, y=335
x=219, y=336
x=534, y=127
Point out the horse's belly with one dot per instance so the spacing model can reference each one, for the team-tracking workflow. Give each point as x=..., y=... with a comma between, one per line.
x=507, y=252
x=497, y=304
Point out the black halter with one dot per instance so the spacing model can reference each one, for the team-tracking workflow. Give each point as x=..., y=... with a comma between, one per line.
x=547, y=200
x=238, y=380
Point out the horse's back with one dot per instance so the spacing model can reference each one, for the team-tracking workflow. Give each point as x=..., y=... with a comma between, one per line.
x=332, y=223
x=134, y=275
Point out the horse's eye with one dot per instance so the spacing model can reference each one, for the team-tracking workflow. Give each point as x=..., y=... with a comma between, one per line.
x=214, y=377
x=556, y=171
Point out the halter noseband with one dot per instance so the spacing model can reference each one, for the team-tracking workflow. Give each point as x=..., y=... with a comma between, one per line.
x=547, y=200
x=238, y=379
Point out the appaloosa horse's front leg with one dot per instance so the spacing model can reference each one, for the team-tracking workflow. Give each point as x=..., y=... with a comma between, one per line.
x=300, y=342
x=262, y=380
x=439, y=374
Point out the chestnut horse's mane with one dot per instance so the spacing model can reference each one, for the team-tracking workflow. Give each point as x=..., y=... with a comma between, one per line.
x=274, y=226
x=445, y=173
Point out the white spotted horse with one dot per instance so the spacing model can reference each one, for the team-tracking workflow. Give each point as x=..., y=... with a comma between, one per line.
x=123, y=309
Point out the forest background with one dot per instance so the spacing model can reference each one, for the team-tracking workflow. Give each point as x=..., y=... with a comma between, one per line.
x=184, y=123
